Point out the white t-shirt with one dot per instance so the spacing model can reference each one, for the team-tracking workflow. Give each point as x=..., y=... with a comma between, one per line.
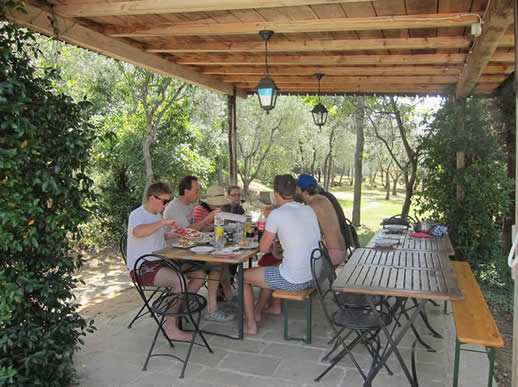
x=296, y=226
x=137, y=247
x=182, y=213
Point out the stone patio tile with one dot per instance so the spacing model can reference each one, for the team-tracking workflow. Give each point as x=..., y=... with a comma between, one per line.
x=297, y=352
x=248, y=345
x=235, y=378
x=304, y=372
x=251, y=364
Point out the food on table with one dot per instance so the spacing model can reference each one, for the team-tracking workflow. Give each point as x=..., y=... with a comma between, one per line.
x=187, y=232
x=243, y=243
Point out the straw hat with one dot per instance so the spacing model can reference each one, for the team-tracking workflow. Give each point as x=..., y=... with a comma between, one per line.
x=216, y=196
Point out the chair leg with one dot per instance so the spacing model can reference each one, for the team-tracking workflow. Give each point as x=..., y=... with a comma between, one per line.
x=445, y=311
x=491, y=355
x=285, y=311
x=308, y=303
x=137, y=316
x=153, y=343
x=456, y=364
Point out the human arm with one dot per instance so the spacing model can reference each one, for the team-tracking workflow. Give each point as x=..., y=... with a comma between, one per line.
x=204, y=224
x=266, y=241
x=144, y=230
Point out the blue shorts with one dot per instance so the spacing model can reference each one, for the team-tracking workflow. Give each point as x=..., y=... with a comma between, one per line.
x=273, y=278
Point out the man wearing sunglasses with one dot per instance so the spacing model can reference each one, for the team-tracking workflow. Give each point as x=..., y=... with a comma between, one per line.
x=147, y=231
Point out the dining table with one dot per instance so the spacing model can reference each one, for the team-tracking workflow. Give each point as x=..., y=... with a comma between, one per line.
x=215, y=257
x=417, y=274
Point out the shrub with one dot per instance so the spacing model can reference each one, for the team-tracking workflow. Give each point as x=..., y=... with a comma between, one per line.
x=44, y=150
x=474, y=222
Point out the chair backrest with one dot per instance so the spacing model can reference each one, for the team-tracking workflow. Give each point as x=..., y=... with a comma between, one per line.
x=176, y=281
x=401, y=219
x=123, y=245
x=352, y=241
x=322, y=272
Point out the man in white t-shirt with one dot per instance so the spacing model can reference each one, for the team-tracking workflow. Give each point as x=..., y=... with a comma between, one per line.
x=181, y=210
x=147, y=232
x=296, y=226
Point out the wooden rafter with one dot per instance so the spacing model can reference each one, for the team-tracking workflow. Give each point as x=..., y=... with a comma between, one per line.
x=322, y=60
x=315, y=25
x=69, y=31
x=143, y=7
x=499, y=16
x=458, y=42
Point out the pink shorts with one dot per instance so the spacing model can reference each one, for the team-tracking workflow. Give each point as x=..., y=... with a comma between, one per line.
x=337, y=256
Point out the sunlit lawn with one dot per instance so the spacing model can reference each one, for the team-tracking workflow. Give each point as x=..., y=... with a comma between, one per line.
x=374, y=208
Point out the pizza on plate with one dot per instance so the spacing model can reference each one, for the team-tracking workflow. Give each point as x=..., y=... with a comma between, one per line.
x=188, y=233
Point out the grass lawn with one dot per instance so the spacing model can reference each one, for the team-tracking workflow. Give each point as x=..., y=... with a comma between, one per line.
x=374, y=208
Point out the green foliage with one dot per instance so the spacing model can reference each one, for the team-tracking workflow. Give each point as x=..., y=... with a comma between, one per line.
x=44, y=150
x=474, y=222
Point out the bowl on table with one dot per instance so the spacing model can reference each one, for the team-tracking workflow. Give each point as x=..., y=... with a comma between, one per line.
x=395, y=228
x=385, y=243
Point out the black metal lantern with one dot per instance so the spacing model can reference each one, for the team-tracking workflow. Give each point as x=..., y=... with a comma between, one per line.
x=319, y=112
x=267, y=91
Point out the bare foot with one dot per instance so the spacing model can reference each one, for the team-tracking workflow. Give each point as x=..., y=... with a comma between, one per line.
x=252, y=331
x=179, y=335
x=258, y=316
x=272, y=310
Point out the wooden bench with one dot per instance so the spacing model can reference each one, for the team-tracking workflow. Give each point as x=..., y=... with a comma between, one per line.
x=473, y=320
x=299, y=295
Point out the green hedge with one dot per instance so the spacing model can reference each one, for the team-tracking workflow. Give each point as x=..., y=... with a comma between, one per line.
x=44, y=150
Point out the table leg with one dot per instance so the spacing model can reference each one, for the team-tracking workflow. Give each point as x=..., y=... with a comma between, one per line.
x=240, y=308
x=392, y=345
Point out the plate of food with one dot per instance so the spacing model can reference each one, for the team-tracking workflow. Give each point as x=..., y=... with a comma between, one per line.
x=187, y=233
x=183, y=244
x=384, y=243
x=202, y=249
x=247, y=245
x=395, y=227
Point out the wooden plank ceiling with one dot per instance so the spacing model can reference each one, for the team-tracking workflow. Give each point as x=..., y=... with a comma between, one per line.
x=383, y=46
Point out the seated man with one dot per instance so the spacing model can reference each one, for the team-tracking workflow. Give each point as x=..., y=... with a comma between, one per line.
x=181, y=209
x=234, y=207
x=296, y=226
x=327, y=217
x=146, y=232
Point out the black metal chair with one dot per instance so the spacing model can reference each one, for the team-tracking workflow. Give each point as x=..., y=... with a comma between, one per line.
x=171, y=302
x=352, y=241
x=123, y=245
x=364, y=322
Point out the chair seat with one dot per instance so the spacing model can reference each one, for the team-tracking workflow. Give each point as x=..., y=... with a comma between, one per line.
x=354, y=318
x=162, y=305
x=356, y=300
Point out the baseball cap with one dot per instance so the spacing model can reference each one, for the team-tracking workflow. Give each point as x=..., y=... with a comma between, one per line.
x=305, y=180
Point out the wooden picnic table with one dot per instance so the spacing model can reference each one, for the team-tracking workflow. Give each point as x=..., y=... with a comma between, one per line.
x=238, y=258
x=416, y=274
x=406, y=242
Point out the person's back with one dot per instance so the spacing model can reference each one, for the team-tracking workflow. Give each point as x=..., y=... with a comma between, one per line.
x=338, y=209
x=296, y=226
x=328, y=221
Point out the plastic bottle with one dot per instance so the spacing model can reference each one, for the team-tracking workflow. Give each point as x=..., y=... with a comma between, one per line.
x=219, y=232
x=261, y=224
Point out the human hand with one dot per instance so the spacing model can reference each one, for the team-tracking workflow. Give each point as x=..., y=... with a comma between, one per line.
x=169, y=223
x=268, y=209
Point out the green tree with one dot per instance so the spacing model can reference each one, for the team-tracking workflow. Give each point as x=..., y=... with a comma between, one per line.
x=475, y=221
x=44, y=152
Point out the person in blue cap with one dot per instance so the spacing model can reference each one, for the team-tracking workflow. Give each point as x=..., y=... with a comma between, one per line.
x=331, y=218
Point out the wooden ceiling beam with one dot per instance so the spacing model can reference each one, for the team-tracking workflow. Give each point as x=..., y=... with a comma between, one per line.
x=336, y=70
x=334, y=80
x=299, y=26
x=498, y=18
x=457, y=42
x=322, y=60
x=148, y=7
x=503, y=57
x=69, y=31
x=358, y=88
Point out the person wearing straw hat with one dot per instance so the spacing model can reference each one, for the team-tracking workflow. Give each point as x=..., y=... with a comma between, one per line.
x=214, y=200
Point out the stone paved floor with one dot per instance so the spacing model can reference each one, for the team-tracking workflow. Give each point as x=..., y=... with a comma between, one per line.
x=114, y=356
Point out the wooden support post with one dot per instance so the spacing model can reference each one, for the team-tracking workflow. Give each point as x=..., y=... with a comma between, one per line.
x=515, y=268
x=460, y=109
x=232, y=139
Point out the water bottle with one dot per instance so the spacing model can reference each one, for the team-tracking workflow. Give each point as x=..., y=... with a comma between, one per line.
x=219, y=232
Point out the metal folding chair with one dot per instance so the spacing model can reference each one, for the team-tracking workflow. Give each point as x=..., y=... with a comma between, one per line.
x=363, y=322
x=123, y=245
x=173, y=303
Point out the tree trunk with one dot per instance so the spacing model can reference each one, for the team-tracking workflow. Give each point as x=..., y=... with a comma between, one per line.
x=358, y=166
x=342, y=175
x=394, y=186
x=387, y=185
x=146, y=145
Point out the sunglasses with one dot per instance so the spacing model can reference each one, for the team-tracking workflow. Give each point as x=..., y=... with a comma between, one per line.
x=165, y=202
x=236, y=194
